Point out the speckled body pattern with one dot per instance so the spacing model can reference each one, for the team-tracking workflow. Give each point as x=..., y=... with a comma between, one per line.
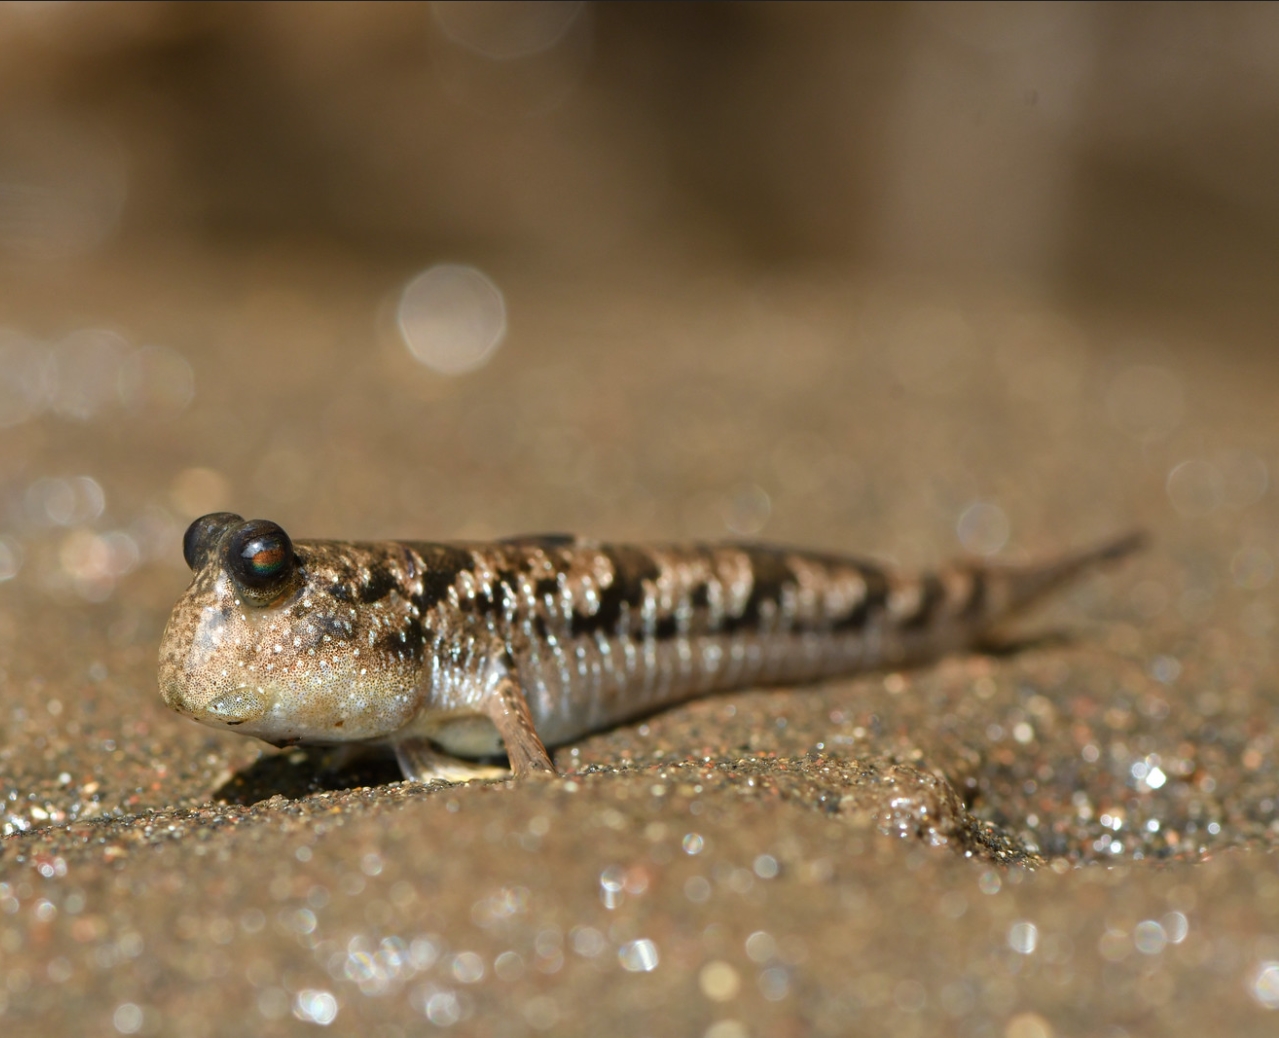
x=442, y=645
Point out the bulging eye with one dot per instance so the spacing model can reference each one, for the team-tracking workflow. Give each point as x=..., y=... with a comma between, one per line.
x=203, y=536
x=259, y=556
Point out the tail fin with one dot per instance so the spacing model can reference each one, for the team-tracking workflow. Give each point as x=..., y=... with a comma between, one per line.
x=1011, y=589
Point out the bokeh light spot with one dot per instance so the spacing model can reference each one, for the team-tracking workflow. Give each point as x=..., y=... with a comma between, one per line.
x=1265, y=984
x=1028, y=1025
x=452, y=318
x=11, y=556
x=1195, y=488
x=64, y=502
x=504, y=31
x=86, y=367
x=1244, y=476
x=638, y=956
x=1023, y=937
x=747, y=510
x=719, y=981
x=983, y=528
x=315, y=1007
x=24, y=378
x=127, y=1018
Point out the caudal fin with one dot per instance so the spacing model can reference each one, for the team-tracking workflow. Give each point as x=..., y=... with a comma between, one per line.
x=1010, y=589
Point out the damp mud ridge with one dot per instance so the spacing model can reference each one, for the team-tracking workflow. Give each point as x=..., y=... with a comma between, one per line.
x=885, y=796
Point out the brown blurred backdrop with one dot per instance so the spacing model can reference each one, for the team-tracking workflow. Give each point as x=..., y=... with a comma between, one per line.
x=1112, y=151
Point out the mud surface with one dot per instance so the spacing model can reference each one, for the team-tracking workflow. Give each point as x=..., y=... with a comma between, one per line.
x=1073, y=839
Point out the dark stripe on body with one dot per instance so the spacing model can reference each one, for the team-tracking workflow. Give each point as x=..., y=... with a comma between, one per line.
x=771, y=577
x=441, y=566
x=404, y=639
x=976, y=604
x=872, y=604
x=379, y=583
x=631, y=568
x=932, y=595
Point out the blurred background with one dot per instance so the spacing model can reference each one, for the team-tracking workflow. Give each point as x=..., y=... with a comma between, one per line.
x=454, y=269
x=1092, y=147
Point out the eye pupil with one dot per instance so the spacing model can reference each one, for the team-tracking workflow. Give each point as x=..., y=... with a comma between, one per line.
x=268, y=560
x=260, y=559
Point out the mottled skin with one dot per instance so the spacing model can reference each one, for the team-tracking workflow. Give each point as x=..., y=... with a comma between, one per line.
x=479, y=649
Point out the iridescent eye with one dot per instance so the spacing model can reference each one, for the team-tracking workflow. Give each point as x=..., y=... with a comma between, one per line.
x=259, y=556
x=203, y=535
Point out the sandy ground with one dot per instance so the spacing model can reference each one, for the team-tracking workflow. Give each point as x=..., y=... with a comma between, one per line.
x=1071, y=840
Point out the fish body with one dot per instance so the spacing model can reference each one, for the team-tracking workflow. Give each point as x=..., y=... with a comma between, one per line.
x=512, y=646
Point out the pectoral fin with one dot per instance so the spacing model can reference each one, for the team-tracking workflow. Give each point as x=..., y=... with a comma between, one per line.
x=420, y=761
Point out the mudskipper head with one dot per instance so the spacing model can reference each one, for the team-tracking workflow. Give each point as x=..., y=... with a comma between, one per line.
x=274, y=640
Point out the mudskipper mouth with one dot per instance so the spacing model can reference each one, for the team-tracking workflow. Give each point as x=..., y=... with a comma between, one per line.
x=236, y=707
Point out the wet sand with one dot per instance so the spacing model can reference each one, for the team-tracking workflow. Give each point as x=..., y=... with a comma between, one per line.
x=1075, y=839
